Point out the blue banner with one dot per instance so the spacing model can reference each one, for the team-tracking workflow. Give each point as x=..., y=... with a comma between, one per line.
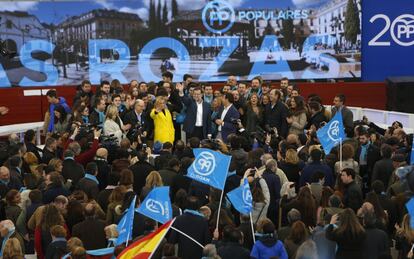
x=332, y=133
x=387, y=38
x=125, y=225
x=157, y=205
x=410, y=208
x=209, y=167
x=241, y=198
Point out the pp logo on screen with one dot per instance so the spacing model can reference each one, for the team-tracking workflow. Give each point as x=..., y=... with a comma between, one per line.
x=218, y=16
x=204, y=164
x=155, y=206
x=333, y=131
x=401, y=30
x=403, y=26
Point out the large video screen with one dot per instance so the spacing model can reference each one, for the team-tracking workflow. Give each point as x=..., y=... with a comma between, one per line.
x=65, y=42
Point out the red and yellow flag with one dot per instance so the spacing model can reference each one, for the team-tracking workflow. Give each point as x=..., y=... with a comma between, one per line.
x=146, y=246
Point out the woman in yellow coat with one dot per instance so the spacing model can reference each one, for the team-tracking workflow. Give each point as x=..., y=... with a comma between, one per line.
x=163, y=123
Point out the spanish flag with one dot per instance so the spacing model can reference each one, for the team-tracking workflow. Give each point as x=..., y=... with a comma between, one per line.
x=145, y=247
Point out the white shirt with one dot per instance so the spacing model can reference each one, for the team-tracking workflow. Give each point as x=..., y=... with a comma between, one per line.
x=199, y=118
x=223, y=114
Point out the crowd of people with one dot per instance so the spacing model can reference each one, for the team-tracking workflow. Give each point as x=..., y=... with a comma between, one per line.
x=119, y=142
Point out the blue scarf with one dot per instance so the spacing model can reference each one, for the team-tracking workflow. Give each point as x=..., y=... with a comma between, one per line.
x=364, y=153
x=194, y=212
x=101, y=117
x=5, y=182
x=85, y=119
x=5, y=240
x=92, y=178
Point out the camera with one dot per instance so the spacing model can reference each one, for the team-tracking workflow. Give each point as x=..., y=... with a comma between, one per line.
x=271, y=130
x=108, y=140
x=136, y=131
x=235, y=121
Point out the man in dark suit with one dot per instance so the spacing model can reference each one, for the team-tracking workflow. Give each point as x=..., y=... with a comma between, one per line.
x=186, y=223
x=197, y=120
x=89, y=183
x=71, y=169
x=7, y=182
x=367, y=155
x=228, y=114
x=137, y=119
x=30, y=141
x=15, y=167
x=97, y=115
x=276, y=113
x=49, y=151
x=104, y=169
x=141, y=170
x=347, y=115
x=91, y=230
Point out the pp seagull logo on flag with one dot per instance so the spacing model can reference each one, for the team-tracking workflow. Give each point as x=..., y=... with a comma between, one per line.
x=155, y=206
x=204, y=164
x=247, y=196
x=333, y=131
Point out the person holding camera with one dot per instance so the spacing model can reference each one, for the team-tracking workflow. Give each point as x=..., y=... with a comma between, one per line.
x=137, y=120
x=111, y=127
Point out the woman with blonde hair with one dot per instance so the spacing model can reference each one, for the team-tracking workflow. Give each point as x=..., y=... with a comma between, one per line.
x=163, y=123
x=153, y=180
x=113, y=124
x=404, y=237
x=31, y=161
x=57, y=164
x=12, y=249
x=292, y=166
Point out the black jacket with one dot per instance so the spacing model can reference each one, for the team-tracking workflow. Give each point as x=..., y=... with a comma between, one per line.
x=35, y=150
x=276, y=117
x=382, y=171
x=47, y=155
x=72, y=170
x=131, y=118
x=353, y=196
x=373, y=155
x=186, y=223
x=91, y=232
x=191, y=116
x=348, y=247
x=232, y=250
x=141, y=170
x=89, y=187
x=376, y=243
x=103, y=172
x=316, y=119
x=56, y=250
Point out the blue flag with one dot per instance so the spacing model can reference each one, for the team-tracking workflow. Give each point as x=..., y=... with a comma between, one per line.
x=332, y=133
x=412, y=153
x=157, y=205
x=125, y=225
x=209, y=167
x=410, y=208
x=241, y=198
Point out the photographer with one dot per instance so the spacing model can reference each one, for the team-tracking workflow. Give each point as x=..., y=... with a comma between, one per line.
x=137, y=121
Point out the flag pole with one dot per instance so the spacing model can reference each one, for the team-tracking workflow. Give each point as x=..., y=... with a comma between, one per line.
x=251, y=224
x=187, y=236
x=219, y=208
x=340, y=155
